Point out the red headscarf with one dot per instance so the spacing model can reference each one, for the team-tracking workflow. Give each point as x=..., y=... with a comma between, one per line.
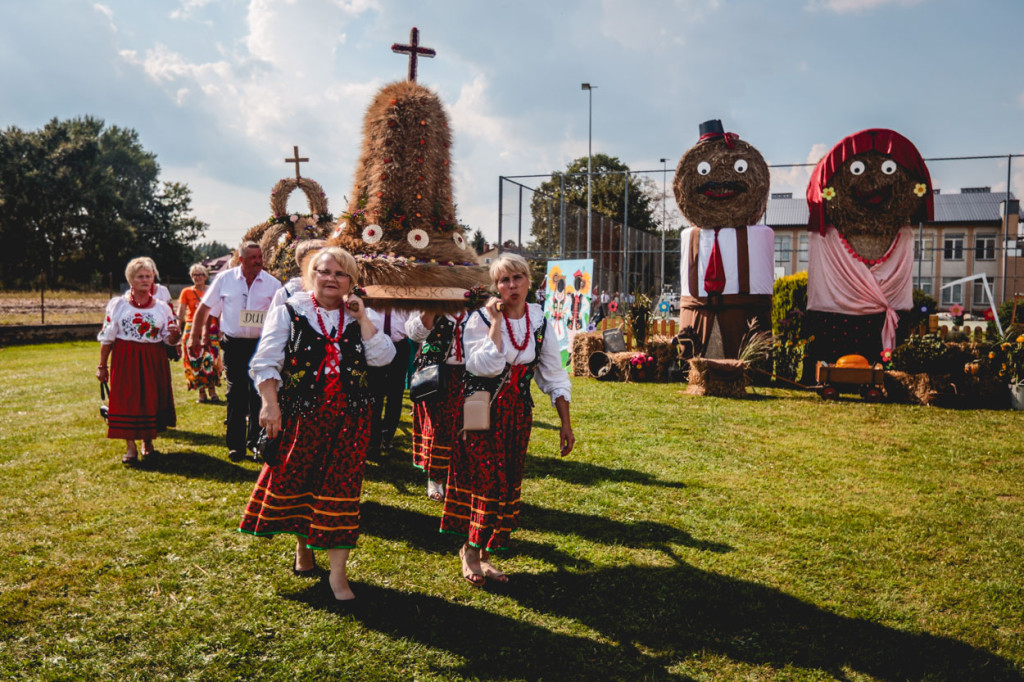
x=887, y=142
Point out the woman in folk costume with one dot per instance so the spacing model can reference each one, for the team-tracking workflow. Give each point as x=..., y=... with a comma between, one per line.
x=311, y=371
x=505, y=349
x=435, y=422
x=202, y=371
x=135, y=328
x=862, y=197
x=727, y=265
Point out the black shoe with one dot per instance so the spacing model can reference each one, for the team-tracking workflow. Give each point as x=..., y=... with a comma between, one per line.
x=236, y=455
x=308, y=573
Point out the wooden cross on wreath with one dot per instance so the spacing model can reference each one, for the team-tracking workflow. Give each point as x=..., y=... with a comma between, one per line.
x=297, y=160
x=414, y=51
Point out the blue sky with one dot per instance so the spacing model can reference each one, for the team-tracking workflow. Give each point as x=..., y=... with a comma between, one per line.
x=220, y=90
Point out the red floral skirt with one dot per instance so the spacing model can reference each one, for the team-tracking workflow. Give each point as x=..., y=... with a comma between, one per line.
x=141, y=399
x=486, y=473
x=435, y=425
x=314, y=491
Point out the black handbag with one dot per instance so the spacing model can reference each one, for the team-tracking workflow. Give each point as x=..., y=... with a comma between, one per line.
x=268, y=449
x=425, y=383
x=104, y=396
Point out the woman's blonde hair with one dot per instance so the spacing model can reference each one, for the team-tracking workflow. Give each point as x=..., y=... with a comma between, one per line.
x=140, y=263
x=199, y=269
x=340, y=256
x=509, y=263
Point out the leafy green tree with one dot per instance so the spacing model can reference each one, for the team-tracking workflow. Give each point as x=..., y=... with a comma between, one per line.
x=608, y=198
x=79, y=199
x=207, y=250
x=479, y=242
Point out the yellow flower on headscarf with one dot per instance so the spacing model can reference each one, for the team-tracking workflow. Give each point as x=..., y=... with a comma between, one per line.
x=920, y=189
x=828, y=194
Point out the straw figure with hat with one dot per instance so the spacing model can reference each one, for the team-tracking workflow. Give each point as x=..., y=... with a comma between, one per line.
x=727, y=266
x=863, y=196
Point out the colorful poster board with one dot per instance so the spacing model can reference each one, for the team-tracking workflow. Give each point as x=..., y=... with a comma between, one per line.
x=567, y=289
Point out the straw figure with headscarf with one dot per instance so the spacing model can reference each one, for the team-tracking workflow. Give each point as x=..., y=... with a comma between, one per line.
x=863, y=196
x=727, y=266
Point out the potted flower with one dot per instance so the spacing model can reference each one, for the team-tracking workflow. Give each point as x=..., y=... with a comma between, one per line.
x=957, y=313
x=641, y=365
x=1011, y=368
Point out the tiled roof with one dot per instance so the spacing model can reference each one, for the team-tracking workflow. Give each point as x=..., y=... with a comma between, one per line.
x=974, y=207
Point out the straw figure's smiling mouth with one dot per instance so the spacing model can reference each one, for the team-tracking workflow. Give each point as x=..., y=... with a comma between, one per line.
x=722, y=190
x=875, y=199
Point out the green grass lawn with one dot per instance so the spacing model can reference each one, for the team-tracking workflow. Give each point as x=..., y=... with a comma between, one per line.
x=778, y=537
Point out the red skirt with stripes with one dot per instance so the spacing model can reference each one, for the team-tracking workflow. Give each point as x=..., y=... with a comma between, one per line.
x=485, y=478
x=314, y=491
x=141, y=399
x=435, y=425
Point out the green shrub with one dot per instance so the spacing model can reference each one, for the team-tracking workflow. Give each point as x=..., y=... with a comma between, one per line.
x=928, y=354
x=789, y=303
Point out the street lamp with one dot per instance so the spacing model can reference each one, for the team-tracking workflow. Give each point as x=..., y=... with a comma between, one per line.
x=590, y=127
x=664, y=217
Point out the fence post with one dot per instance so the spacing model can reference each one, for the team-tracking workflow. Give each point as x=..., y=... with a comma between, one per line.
x=42, y=297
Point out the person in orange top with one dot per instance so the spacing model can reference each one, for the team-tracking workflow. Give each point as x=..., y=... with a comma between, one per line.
x=202, y=371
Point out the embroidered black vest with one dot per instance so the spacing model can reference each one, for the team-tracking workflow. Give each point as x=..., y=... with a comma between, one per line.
x=492, y=384
x=434, y=350
x=301, y=386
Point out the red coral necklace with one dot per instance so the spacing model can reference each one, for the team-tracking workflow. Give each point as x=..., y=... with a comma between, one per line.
x=331, y=365
x=869, y=261
x=134, y=302
x=512, y=337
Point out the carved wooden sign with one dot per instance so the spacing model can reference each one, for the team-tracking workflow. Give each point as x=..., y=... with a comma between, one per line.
x=418, y=293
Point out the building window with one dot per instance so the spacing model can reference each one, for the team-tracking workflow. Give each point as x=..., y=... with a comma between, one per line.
x=924, y=249
x=924, y=284
x=985, y=247
x=953, y=294
x=802, y=249
x=953, y=247
x=979, y=299
x=783, y=249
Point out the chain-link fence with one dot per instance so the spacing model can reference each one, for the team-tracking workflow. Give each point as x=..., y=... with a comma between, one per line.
x=977, y=228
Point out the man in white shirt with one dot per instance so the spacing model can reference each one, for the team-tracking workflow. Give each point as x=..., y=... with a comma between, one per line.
x=244, y=294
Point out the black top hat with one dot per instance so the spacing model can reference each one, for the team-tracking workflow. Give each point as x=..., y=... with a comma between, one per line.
x=713, y=126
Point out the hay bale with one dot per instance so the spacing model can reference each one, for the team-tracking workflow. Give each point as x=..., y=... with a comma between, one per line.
x=721, y=378
x=664, y=356
x=583, y=346
x=918, y=388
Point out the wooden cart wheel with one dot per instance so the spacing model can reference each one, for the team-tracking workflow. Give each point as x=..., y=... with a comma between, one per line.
x=873, y=395
x=829, y=393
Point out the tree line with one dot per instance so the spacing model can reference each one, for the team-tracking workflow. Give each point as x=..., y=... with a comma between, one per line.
x=78, y=199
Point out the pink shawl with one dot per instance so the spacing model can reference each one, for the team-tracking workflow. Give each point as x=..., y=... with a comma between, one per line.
x=839, y=283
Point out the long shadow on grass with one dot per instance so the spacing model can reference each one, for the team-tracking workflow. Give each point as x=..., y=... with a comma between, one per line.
x=196, y=437
x=687, y=611
x=193, y=464
x=493, y=646
x=573, y=471
x=600, y=529
x=421, y=531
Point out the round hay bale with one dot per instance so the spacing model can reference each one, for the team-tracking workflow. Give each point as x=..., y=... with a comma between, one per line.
x=583, y=346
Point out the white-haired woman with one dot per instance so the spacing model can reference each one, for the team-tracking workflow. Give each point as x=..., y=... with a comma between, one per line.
x=202, y=371
x=135, y=329
x=311, y=370
x=505, y=350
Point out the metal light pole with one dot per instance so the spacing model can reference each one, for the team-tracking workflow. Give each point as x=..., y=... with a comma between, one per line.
x=590, y=128
x=664, y=218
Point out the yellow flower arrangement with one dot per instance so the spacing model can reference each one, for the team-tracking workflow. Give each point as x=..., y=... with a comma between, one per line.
x=828, y=194
x=920, y=189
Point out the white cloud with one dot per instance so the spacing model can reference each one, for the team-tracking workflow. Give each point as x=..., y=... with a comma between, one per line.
x=844, y=6
x=229, y=209
x=640, y=26
x=1020, y=99
x=108, y=13
x=188, y=8
x=795, y=179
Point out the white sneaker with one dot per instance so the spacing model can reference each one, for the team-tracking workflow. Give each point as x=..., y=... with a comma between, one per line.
x=435, y=491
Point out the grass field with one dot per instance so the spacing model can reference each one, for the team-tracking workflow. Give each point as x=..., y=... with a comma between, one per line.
x=778, y=537
x=53, y=307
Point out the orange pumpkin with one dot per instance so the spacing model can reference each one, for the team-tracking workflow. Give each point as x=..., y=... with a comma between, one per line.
x=853, y=361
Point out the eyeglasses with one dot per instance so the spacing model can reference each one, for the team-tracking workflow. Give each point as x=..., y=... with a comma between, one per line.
x=327, y=274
